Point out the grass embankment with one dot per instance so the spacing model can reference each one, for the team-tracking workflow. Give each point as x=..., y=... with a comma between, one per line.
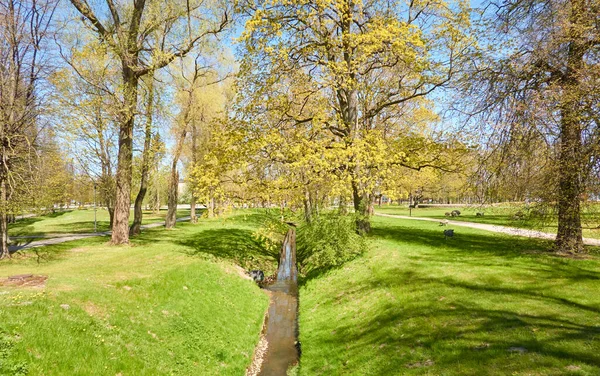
x=502, y=216
x=171, y=303
x=477, y=304
x=76, y=221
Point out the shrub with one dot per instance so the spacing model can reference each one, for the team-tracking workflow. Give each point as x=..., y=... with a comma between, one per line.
x=328, y=240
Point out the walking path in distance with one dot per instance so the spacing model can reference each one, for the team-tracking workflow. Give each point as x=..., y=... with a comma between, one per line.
x=69, y=237
x=494, y=228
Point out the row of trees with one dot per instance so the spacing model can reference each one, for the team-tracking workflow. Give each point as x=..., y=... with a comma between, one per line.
x=110, y=74
x=336, y=99
x=333, y=101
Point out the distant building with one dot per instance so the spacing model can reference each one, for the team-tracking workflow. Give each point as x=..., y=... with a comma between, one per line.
x=181, y=186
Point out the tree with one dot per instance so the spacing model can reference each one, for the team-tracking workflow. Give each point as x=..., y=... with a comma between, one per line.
x=372, y=62
x=24, y=26
x=544, y=81
x=204, y=165
x=135, y=228
x=54, y=174
x=192, y=83
x=84, y=94
x=157, y=178
x=127, y=32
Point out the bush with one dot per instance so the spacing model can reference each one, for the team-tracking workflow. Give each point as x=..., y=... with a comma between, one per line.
x=328, y=240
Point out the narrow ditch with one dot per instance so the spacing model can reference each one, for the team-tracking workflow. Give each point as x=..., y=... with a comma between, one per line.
x=281, y=324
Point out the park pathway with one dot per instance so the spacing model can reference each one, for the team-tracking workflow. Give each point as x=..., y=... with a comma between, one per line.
x=494, y=228
x=45, y=240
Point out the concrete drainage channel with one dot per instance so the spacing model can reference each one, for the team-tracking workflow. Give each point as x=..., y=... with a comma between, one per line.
x=279, y=349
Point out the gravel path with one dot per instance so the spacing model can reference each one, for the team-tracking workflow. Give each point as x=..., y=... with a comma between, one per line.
x=494, y=228
x=69, y=237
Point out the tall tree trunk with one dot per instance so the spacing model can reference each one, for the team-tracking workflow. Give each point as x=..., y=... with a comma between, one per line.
x=359, y=194
x=307, y=207
x=361, y=209
x=156, y=206
x=120, y=231
x=111, y=216
x=4, y=252
x=211, y=206
x=193, y=217
x=139, y=200
x=171, y=218
x=569, y=235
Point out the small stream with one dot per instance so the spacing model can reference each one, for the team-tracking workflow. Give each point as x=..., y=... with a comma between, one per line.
x=282, y=320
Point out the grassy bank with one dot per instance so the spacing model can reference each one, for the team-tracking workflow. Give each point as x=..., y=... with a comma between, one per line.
x=171, y=303
x=77, y=221
x=502, y=216
x=478, y=304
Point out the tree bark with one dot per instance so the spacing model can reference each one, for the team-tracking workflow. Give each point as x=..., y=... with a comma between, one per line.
x=571, y=159
x=120, y=231
x=211, y=206
x=4, y=252
x=308, y=211
x=193, y=217
x=135, y=228
x=361, y=209
x=156, y=206
x=111, y=215
x=171, y=218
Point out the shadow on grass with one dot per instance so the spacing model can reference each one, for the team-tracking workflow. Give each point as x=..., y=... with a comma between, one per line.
x=238, y=245
x=254, y=217
x=470, y=325
x=458, y=334
x=24, y=222
x=487, y=249
x=463, y=241
x=466, y=339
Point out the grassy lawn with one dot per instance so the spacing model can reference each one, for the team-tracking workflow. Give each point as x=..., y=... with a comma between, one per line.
x=77, y=221
x=500, y=215
x=477, y=304
x=171, y=303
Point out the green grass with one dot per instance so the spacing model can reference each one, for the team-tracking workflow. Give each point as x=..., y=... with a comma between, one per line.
x=171, y=303
x=477, y=304
x=500, y=215
x=77, y=221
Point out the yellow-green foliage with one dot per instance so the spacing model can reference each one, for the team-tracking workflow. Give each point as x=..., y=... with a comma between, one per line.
x=333, y=93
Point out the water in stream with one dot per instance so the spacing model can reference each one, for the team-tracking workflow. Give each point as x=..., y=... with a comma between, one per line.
x=282, y=321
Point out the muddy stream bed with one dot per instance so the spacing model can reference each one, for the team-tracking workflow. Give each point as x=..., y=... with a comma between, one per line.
x=281, y=325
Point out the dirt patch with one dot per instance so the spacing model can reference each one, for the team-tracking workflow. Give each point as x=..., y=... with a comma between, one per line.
x=94, y=310
x=235, y=269
x=24, y=280
x=78, y=250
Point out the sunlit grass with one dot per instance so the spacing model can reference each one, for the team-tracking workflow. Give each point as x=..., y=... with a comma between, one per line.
x=502, y=216
x=77, y=221
x=477, y=304
x=171, y=303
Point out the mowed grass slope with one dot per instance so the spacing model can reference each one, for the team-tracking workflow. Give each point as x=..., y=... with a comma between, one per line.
x=502, y=216
x=171, y=303
x=477, y=304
